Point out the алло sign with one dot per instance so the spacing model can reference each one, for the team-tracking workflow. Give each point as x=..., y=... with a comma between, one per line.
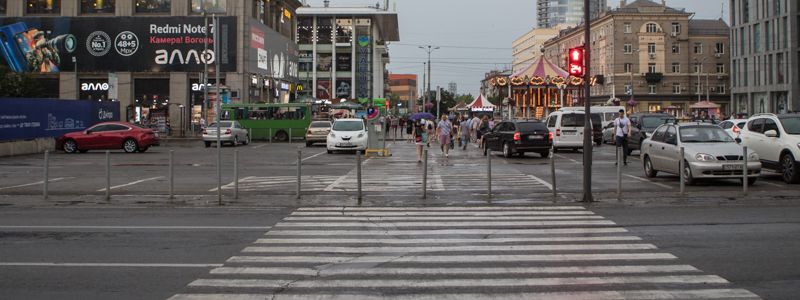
x=119, y=44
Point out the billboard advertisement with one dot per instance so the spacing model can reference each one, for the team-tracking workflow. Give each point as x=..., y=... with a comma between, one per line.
x=272, y=54
x=24, y=119
x=119, y=44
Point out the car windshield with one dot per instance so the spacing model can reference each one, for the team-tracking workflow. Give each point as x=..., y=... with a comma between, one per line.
x=221, y=124
x=348, y=126
x=654, y=122
x=704, y=134
x=791, y=125
x=321, y=125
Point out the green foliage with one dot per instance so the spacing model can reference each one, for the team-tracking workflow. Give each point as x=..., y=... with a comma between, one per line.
x=16, y=85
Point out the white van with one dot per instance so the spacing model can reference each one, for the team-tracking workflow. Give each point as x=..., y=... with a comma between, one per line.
x=566, y=128
x=607, y=113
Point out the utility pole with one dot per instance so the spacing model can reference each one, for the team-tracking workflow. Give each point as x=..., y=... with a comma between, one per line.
x=429, y=49
x=587, y=126
x=425, y=95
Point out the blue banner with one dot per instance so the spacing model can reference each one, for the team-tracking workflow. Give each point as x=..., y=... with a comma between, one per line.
x=25, y=119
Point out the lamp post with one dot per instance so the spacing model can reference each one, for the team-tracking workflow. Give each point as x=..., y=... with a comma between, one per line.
x=630, y=73
x=77, y=81
x=429, y=49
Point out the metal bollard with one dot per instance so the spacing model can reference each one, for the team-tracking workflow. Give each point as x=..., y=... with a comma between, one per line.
x=489, y=174
x=46, y=174
x=171, y=175
x=270, y=135
x=680, y=171
x=249, y=136
x=299, y=172
x=620, y=158
x=108, y=175
x=425, y=175
x=358, y=175
x=290, y=135
x=236, y=174
x=744, y=172
x=553, y=173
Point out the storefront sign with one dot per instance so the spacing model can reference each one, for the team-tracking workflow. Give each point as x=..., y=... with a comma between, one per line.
x=363, y=61
x=119, y=44
x=271, y=54
x=23, y=119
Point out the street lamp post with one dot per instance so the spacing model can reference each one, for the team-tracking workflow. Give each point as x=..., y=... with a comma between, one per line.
x=429, y=49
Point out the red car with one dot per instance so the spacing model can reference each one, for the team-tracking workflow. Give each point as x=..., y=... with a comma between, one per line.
x=109, y=136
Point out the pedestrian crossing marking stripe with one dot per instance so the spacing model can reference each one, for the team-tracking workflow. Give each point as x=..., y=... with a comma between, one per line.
x=411, y=215
x=456, y=259
x=480, y=240
x=728, y=294
x=440, y=224
x=441, y=218
x=443, y=208
x=456, y=271
x=428, y=249
x=435, y=232
x=459, y=283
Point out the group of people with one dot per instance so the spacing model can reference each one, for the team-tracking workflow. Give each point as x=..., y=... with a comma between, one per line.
x=448, y=133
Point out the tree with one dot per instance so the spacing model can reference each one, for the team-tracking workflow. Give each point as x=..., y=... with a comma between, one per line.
x=18, y=85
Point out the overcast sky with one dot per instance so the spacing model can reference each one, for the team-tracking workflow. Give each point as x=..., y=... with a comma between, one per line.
x=475, y=36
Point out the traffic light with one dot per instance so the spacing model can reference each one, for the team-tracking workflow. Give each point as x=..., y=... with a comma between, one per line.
x=575, y=62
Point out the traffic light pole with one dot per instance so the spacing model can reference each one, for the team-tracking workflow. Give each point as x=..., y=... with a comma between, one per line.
x=587, y=129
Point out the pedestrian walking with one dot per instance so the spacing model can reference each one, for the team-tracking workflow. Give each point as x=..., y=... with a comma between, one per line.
x=401, y=124
x=429, y=130
x=483, y=129
x=466, y=129
x=476, y=123
x=395, y=124
x=419, y=132
x=443, y=131
x=622, y=129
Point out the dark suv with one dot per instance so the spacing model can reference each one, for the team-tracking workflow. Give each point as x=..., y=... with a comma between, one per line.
x=518, y=137
x=644, y=124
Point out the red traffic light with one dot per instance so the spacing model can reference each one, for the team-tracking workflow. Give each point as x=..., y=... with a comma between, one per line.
x=575, y=62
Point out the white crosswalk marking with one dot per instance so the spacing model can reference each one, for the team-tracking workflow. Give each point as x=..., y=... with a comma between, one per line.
x=495, y=252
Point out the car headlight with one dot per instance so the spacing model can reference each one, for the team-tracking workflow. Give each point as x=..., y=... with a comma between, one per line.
x=704, y=157
x=332, y=135
x=361, y=135
x=753, y=157
x=798, y=145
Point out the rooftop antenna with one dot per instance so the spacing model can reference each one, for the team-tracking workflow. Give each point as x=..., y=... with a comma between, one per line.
x=722, y=11
x=327, y=3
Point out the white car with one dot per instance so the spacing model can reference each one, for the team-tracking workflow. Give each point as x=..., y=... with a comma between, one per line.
x=231, y=132
x=733, y=126
x=348, y=135
x=776, y=139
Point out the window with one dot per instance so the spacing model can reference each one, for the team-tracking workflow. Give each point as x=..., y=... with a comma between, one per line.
x=676, y=88
x=627, y=48
x=698, y=67
x=628, y=89
x=305, y=30
x=745, y=11
x=676, y=67
x=43, y=7
x=153, y=6
x=628, y=67
x=671, y=137
x=721, y=89
x=676, y=28
x=573, y=120
x=720, y=68
x=777, y=4
x=114, y=127
x=698, y=48
x=676, y=48
x=769, y=124
x=344, y=31
x=209, y=6
x=2, y=7
x=324, y=31
x=719, y=48
x=658, y=136
x=757, y=38
x=756, y=125
x=652, y=89
x=651, y=48
x=653, y=108
x=97, y=6
x=651, y=28
x=627, y=27
x=651, y=68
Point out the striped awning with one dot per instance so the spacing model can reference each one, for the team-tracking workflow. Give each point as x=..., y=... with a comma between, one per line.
x=541, y=68
x=481, y=104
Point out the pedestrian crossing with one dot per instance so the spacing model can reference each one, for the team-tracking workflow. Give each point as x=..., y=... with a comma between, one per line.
x=492, y=252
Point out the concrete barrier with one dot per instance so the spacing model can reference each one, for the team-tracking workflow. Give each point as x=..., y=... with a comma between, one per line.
x=27, y=147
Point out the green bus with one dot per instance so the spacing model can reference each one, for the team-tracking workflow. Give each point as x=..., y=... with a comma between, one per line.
x=271, y=121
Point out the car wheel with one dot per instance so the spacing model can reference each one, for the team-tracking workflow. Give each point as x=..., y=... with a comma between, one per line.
x=545, y=154
x=130, y=146
x=235, y=141
x=70, y=146
x=330, y=151
x=630, y=151
x=308, y=144
x=750, y=181
x=208, y=144
x=649, y=171
x=282, y=136
x=687, y=174
x=791, y=170
x=246, y=140
x=507, y=151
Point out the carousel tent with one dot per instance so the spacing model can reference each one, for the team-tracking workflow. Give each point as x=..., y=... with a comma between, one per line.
x=481, y=104
x=541, y=68
x=459, y=107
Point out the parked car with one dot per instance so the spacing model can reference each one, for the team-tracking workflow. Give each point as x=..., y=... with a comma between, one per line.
x=644, y=124
x=607, y=113
x=348, y=134
x=231, y=132
x=776, y=139
x=567, y=128
x=518, y=137
x=318, y=132
x=709, y=153
x=109, y=136
x=608, y=134
x=733, y=126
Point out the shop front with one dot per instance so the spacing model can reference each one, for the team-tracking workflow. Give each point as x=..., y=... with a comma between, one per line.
x=151, y=105
x=272, y=65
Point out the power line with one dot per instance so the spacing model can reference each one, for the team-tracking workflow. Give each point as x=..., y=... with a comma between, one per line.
x=451, y=46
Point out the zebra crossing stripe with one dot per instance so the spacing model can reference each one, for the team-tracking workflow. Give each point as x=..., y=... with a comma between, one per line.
x=442, y=208
x=458, y=283
x=443, y=224
x=480, y=240
x=455, y=259
x=383, y=232
x=728, y=294
x=440, y=218
x=456, y=271
x=411, y=249
x=432, y=213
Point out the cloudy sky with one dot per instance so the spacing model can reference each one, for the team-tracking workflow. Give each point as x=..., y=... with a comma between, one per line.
x=474, y=36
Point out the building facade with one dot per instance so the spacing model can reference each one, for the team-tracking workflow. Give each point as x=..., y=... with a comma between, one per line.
x=344, y=51
x=404, y=87
x=654, y=55
x=550, y=13
x=527, y=48
x=150, y=55
x=765, y=57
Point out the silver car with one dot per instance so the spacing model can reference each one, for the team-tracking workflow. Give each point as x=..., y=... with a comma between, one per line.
x=318, y=132
x=231, y=132
x=709, y=153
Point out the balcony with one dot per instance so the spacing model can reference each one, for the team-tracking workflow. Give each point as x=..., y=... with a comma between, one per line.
x=653, y=78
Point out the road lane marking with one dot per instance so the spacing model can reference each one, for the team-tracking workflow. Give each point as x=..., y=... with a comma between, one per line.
x=772, y=184
x=260, y=146
x=454, y=259
x=56, y=227
x=412, y=214
x=378, y=224
x=483, y=232
x=567, y=158
x=104, y=265
x=478, y=240
x=648, y=181
x=35, y=183
x=132, y=183
x=542, y=182
x=442, y=208
x=456, y=271
x=337, y=182
x=441, y=218
x=427, y=249
x=727, y=294
x=241, y=181
x=315, y=155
